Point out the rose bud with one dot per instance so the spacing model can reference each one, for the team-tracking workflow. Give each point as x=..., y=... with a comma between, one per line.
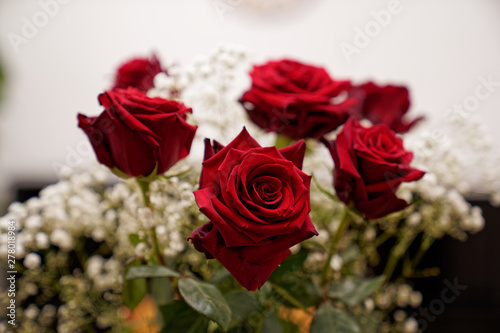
x=385, y=105
x=296, y=99
x=257, y=200
x=137, y=73
x=370, y=164
x=137, y=134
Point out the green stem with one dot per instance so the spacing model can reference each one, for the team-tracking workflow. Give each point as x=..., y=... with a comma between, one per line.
x=404, y=241
x=344, y=223
x=144, y=186
x=426, y=243
x=382, y=239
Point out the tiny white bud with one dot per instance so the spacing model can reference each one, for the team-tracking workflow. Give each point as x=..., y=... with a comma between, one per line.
x=410, y=326
x=32, y=260
x=336, y=262
x=414, y=219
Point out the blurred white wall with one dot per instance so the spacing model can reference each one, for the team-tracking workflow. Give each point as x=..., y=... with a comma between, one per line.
x=438, y=48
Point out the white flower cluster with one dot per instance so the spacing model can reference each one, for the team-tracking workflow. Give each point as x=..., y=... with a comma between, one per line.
x=87, y=205
x=212, y=85
x=460, y=155
x=442, y=211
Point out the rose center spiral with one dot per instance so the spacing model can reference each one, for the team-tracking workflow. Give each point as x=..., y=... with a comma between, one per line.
x=266, y=190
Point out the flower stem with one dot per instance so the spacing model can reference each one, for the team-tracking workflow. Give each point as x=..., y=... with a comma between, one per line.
x=144, y=186
x=426, y=243
x=404, y=241
x=344, y=223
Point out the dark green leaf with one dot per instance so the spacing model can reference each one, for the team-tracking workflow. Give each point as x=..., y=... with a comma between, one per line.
x=137, y=272
x=271, y=324
x=207, y=300
x=224, y=281
x=353, y=291
x=289, y=327
x=161, y=290
x=333, y=320
x=284, y=296
x=303, y=289
x=134, y=239
x=292, y=264
x=369, y=322
x=350, y=254
x=242, y=305
x=178, y=317
x=133, y=292
x=265, y=292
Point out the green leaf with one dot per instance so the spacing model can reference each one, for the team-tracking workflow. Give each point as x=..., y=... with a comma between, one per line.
x=350, y=254
x=242, y=305
x=284, y=296
x=224, y=281
x=271, y=324
x=369, y=322
x=303, y=289
x=265, y=292
x=178, y=317
x=138, y=272
x=134, y=239
x=161, y=290
x=332, y=320
x=289, y=327
x=353, y=291
x=134, y=291
x=292, y=264
x=206, y=299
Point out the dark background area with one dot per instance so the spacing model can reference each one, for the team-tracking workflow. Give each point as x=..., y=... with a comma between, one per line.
x=474, y=264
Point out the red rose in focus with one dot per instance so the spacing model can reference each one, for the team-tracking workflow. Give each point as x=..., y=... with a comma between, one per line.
x=136, y=133
x=257, y=200
x=295, y=99
x=137, y=73
x=385, y=105
x=370, y=164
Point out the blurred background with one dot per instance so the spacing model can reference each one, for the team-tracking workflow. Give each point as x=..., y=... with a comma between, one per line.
x=56, y=56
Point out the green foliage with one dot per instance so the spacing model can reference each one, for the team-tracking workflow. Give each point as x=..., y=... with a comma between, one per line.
x=243, y=305
x=161, y=290
x=291, y=265
x=273, y=324
x=353, y=291
x=134, y=239
x=369, y=322
x=137, y=272
x=329, y=319
x=207, y=300
x=303, y=289
x=134, y=290
x=178, y=317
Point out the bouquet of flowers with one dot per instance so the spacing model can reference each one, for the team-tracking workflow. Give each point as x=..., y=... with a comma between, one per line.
x=277, y=229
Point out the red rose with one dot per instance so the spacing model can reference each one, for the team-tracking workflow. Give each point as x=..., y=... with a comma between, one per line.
x=137, y=73
x=257, y=200
x=295, y=99
x=385, y=105
x=370, y=164
x=136, y=133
